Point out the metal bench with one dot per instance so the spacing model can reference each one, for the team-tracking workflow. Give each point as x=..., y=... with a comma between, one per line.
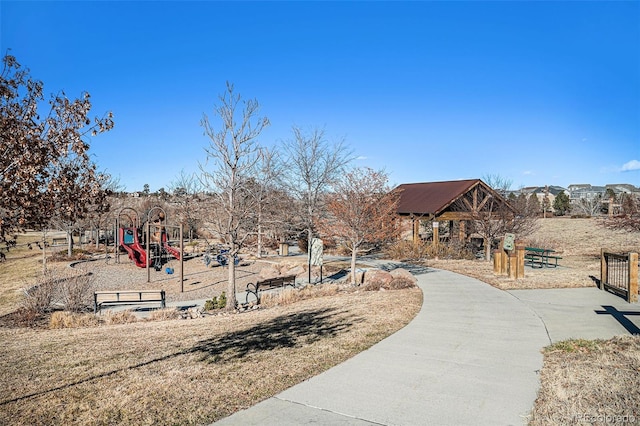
x=128, y=297
x=269, y=284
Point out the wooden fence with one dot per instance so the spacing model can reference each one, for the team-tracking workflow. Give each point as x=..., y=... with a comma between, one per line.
x=619, y=274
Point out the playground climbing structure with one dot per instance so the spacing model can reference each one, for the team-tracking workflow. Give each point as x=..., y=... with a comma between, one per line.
x=148, y=245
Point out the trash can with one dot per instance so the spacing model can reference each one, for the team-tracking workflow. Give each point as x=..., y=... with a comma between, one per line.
x=284, y=249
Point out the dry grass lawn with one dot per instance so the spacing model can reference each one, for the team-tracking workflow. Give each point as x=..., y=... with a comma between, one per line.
x=590, y=382
x=577, y=241
x=177, y=371
x=187, y=371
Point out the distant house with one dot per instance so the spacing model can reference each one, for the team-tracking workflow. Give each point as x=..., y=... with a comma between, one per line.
x=550, y=191
x=586, y=191
x=623, y=188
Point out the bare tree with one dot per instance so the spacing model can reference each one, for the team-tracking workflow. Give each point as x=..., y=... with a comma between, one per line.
x=499, y=183
x=313, y=165
x=232, y=156
x=587, y=206
x=492, y=216
x=186, y=190
x=74, y=192
x=101, y=215
x=629, y=218
x=41, y=153
x=363, y=210
x=267, y=183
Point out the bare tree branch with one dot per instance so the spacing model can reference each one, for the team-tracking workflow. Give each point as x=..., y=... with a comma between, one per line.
x=232, y=158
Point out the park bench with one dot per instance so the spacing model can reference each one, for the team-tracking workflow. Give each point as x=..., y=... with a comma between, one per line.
x=540, y=257
x=269, y=284
x=127, y=297
x=59, y=241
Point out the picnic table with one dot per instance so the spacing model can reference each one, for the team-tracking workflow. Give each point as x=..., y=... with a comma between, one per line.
x=540, y=257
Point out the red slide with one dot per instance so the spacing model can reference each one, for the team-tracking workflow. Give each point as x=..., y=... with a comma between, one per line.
x=172, y=250
x=136, y=252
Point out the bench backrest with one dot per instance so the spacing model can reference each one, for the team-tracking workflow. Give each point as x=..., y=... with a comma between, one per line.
x=537, y=250
x=277, y=280
x=129, y=296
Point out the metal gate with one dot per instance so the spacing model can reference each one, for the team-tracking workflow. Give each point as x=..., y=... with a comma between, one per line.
x=619, y=274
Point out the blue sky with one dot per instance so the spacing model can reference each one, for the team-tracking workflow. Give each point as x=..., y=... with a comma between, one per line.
x=537, y=92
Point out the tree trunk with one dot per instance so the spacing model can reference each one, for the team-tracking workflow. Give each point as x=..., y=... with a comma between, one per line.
x=44, y=252
x=259, y=254
x=231, y=286
x=309, y=236
x=487, y=249
x=354, y=252
x=69, y=243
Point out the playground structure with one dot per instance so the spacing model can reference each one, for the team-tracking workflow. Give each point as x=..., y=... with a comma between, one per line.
x=222, y=257
x=149, y=245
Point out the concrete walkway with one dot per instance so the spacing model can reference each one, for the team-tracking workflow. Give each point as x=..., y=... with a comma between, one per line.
x=581, y=313
x=470, y=357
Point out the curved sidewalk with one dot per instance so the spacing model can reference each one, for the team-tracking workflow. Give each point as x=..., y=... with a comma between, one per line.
x=470, y=357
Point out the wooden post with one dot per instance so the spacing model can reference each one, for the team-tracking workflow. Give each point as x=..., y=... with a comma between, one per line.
x=520, y=259
x=181, y=258
x=116, y=241
x=512, y=265
x=463, y=231
x=416, y=230
x=504, y=262
x=497, y=262
x=148, y=228
x=436, y=235
x=633, y=278
x=603, y=270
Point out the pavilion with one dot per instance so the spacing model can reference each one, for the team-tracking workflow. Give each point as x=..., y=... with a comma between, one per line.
x=457, y=201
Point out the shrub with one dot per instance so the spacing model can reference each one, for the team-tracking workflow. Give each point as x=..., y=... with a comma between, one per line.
x=164, y=314
x=222, y=300
x=76, y=254
x=39, y=297
x=372, y=285
x=27, y=316
x=76, y=292
x=402, y=279
x=407, y=250
x=120, y=317
x=63, y=319
x=399, y=283
x=216, y=302
x=211, y=304
x=292, y=295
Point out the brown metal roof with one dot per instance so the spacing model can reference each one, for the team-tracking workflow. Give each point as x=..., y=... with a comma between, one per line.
x=431, y=198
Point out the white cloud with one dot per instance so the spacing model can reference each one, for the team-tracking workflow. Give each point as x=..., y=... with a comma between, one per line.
x=527, y=172
x=361, y=157
x=631, y=165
